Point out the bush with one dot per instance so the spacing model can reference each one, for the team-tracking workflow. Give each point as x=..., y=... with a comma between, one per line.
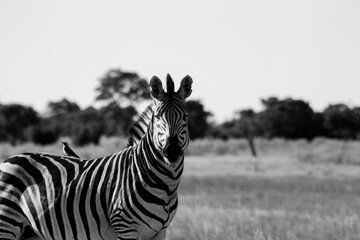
x=44, y=135
x=89, y=133
x=15, y=122
x=86, y=127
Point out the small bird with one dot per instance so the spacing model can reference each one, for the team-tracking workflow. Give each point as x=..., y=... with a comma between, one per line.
x=68, y=151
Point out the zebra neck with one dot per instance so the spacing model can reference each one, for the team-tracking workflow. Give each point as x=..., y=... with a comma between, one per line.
x=152, y=163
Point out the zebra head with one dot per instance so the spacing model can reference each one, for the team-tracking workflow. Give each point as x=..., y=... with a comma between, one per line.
x=169, y=122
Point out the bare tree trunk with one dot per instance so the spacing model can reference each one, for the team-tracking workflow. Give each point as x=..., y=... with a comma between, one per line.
x=250, y=139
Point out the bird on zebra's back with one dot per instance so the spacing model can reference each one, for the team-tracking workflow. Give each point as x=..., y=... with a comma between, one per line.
x=68, y=151
x=131, y=194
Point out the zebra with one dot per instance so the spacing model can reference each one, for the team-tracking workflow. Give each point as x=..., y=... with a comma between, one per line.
x=139, y=128
x=131, y=194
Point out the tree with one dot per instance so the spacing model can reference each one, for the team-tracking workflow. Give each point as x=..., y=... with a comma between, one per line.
x=122, y=88
x=340, y=121
x=247, y=124
x=356, y=111
x=225, y=130
x=62, y=115
x=86, y=127
x=117, y=120
x=46, y=132
x=197, y=121
x=62, y=107
x=15, y=122
x=287, y=118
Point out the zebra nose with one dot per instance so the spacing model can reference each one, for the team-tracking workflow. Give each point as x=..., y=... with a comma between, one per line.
x=173, y=149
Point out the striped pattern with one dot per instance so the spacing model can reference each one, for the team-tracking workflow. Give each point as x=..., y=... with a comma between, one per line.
x=55, y=196
x=139, y=128
x=128, y=195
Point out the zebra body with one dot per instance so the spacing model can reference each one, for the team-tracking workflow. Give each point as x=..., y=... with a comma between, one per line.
x=128, y=195
x=48, y=191
x=140, y=127
x=49, y=206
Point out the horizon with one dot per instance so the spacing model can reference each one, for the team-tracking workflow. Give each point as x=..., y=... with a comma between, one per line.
x=237, y=52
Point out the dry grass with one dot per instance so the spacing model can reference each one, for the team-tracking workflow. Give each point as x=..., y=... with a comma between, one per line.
x=267, y=208
x=319, y=150
x=274, y=197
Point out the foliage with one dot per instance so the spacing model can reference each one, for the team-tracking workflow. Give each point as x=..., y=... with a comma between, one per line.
x=122, y=88
x=198, y=119
x=116, y=120
x=247, y=122
x=44, y=133
x=63, y=106
x=287, y=118
x=291, y=119
x=226, y=130
x=86, y=127
x=123, y=91
x=245, y=125
x=341, y=122
x=15, y=122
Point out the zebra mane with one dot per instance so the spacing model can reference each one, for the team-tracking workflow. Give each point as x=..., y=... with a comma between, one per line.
x=138, y=129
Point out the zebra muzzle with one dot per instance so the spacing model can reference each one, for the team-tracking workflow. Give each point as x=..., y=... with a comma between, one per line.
x=173, y=150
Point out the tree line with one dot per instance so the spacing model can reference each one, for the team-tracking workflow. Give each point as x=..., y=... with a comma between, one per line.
x=293, y=119
x=119, y=93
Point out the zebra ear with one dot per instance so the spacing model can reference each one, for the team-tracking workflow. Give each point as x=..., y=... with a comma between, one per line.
x=157, y=90
x=185, y=87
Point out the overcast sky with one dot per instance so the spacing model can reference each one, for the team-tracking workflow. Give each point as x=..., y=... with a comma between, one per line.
x=236, y=51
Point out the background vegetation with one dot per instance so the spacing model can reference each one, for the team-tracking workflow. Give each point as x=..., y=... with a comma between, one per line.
x=120, y=93
x=285, y=172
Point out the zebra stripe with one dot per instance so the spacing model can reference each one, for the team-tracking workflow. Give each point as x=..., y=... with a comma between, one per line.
x=131, y=194
x=138, y=129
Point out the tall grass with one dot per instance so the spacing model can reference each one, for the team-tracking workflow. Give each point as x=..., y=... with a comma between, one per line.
x=319, y=150
x=331, y=151
x=267, y=208
x=241, y=146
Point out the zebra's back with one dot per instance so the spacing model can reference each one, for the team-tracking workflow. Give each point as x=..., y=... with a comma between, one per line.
x=50, y=194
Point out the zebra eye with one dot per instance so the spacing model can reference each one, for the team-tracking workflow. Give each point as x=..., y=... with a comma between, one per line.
x=157, y=117
x=184, y=118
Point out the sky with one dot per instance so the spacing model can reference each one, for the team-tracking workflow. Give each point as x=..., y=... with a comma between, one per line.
x=237, y=52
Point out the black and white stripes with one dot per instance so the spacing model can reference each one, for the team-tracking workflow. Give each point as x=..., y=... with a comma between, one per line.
x=128, y=195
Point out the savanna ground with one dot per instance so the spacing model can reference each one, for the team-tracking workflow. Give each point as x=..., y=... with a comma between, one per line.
x=292, y=190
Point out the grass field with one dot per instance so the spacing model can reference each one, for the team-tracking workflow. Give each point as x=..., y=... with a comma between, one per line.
x=292, y=190
x=242, y=199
